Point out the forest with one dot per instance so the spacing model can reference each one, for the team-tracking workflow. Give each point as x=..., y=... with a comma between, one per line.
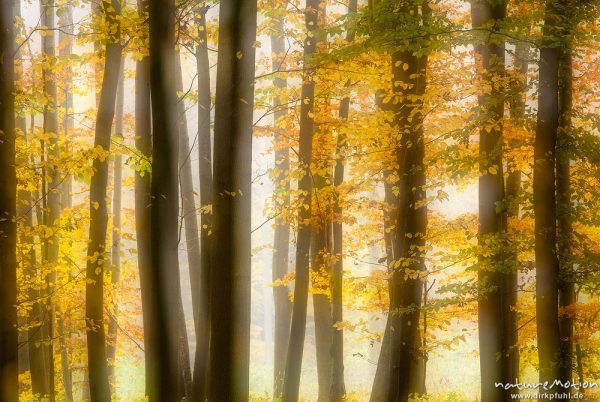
x=299, y=200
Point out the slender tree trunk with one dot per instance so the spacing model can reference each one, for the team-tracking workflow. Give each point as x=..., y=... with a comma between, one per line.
x=113, y=323
x=9, y=385
x=201, y=318
x=291, y=386
x=338, y=387
x=321, y=249
x=23, y=204
x=187, y=193
x=544, y=202
x=35, y=333
x=320, y=252
x=143, y=144
x=65, y=40
x=52, y=210
x=566, y=286
x=191, y=228
x=97, y=253
x=164, y=210
x=491, y=279
x=184, y=387
x=513, y=190
x=281, y=237
x=31, y=348
x=230, y=284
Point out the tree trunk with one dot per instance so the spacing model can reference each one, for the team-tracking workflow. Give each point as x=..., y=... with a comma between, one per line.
x=113, y=323
x=338, y=387
x=231, y=283
x=513, y=190
x=53, y=206
x=281, y=237
x=191, y=227
x=143, y=143
x=566, y=285
x=381, y=382
x=164, y=210
x=9, y=385
x=201, y=318
x=96, y=262
x=544, y=203
x=23, y=207
x=291, y=386
x=491, y=278
x=187, y=193
x=32, y=346
x=406, y=357
x=65, y=40
x=320, y=252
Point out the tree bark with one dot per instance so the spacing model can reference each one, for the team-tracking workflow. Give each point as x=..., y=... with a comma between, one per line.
x=143, y=144
x=164, y=210
x=231, y=283
x=113, y=324
x=291, y=386
x=566, y=285
x=201, y=318
x=544, y=202
x=281, y=236
x=9, y=385
x=96, y=261
x=491, y=271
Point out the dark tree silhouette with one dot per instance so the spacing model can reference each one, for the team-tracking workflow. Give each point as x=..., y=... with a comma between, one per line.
x=230, y=284
x=9, y=389
x=544, y=200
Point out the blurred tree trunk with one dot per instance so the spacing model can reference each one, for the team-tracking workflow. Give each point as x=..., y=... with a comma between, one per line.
x=491, y=278
x=513, y=190
x=544, y=201
x=201, y=311
x=31, y=348
x=281, y=237
x=143, y=144
x=191, y=227
x=9, y=384
x=53, y=180
x=97, y=253
x=65, y=40
x=291, y=386
x=231, y=283
x=166, y=315
x=338, y=387
x=113, y=324
x=321, y=247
